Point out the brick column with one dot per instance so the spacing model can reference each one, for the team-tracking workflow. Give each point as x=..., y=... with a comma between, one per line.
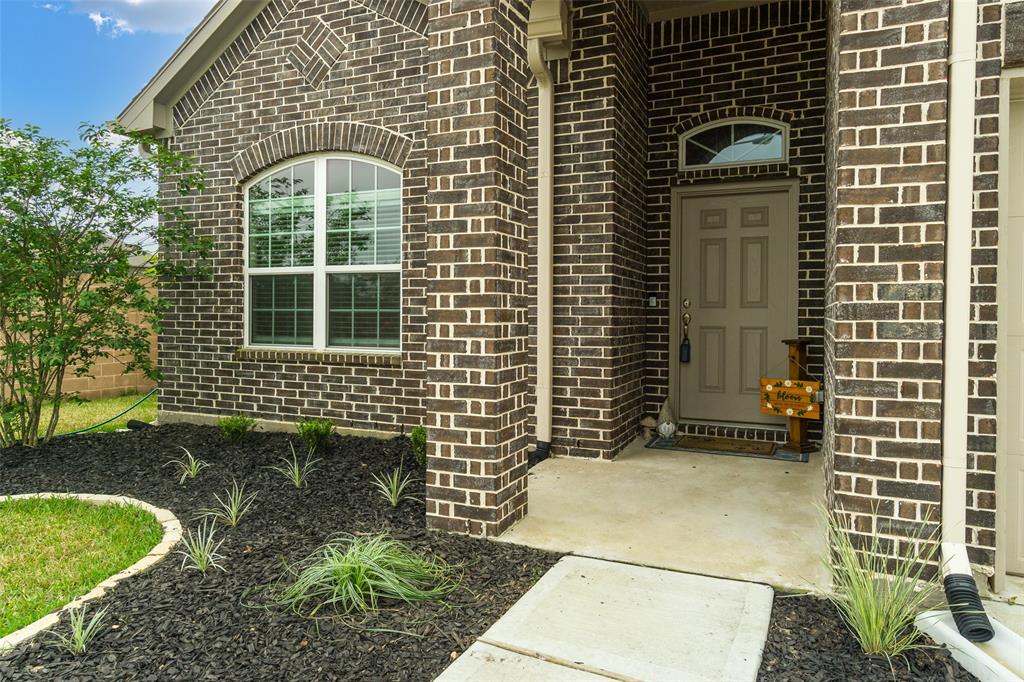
x=476, y=265
x=884, y=312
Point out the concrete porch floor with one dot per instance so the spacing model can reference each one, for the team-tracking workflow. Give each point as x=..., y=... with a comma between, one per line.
x=731, y=517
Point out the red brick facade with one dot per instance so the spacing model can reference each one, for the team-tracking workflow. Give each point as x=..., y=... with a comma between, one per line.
x=598, y=231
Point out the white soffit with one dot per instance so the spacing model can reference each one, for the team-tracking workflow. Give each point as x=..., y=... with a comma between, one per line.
x=150, y=110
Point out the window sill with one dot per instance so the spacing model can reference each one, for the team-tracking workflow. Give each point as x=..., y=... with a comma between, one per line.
x=368, y=358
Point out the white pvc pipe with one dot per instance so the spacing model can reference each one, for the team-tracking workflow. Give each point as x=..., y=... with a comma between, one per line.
x=957, y=290
x=545, y=220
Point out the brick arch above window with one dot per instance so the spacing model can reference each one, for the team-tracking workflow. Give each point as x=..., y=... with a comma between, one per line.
x=726, y=113
x=342, y=136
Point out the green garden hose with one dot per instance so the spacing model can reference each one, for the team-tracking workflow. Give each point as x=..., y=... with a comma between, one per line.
x=107, y=421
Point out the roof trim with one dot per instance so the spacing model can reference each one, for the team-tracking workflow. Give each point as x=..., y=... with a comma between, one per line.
x=150, y=110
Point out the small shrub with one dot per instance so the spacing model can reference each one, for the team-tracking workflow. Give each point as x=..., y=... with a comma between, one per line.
x=232, y=508
x=188, y=466
x=315, y=433
x=200, y=550
x=234, y=428
x=294, y=471
x=82, y=633
x=879, y=596
x=393, y=486
x=352, y=574
x=418, y=438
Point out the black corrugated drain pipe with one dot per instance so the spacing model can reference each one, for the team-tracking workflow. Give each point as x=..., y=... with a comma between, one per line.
x=965, y=605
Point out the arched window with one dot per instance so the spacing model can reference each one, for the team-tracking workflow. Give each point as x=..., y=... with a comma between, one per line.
x=323, y=255
x=734, y=143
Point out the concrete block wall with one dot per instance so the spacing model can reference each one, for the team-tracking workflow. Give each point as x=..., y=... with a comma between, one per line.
x=108, y=379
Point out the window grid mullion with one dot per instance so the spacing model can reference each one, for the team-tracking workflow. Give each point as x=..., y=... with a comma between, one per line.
x=320, y=254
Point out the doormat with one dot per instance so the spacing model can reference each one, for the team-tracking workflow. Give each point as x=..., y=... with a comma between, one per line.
x=715, y=445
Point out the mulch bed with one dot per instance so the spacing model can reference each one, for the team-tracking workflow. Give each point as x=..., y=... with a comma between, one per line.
x=168, y=624
x=808, y=642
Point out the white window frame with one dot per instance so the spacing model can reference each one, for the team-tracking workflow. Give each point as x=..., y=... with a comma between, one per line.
x=320, y=269
x=770, y=123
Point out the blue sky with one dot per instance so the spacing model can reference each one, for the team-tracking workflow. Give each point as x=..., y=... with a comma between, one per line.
x=67, y=61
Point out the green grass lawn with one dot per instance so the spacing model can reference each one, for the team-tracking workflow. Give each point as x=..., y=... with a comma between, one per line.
x=54, y=550
x=74, y=416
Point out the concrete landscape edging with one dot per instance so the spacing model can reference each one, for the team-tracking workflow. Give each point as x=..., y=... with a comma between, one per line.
x=171, y=536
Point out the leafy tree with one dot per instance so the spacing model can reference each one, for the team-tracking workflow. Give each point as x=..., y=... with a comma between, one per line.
x=74, y=223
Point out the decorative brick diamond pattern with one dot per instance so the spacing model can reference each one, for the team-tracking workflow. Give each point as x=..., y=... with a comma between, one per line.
x=316, y=52
x=250, y=111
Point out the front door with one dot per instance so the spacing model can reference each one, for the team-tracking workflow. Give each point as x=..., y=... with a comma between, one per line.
x=737, y=283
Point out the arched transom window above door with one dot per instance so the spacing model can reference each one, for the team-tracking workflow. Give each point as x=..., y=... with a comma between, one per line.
x=323, y=256
x=737, y=142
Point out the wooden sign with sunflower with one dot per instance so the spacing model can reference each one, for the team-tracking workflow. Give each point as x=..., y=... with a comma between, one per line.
x=790, y=398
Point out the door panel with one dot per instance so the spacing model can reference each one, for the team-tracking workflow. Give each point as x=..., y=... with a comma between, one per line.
x=753, y=358
x=735, y=273
x=1013, y=322
x=713, y=269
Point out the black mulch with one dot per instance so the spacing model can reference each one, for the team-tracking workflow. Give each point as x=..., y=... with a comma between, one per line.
x=808, y=642
x=186, y=626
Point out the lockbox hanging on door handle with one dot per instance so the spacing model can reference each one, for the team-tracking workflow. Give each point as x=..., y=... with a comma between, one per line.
x=684, y=345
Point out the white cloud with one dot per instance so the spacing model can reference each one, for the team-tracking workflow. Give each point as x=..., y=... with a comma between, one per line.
x=118, y=17
x=117, y=26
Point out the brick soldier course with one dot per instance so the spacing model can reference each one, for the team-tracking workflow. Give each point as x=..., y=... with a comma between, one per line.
x=442, y=91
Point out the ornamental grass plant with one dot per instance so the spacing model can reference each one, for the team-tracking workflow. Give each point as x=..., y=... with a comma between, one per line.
x=355, y=574
x=879, y=593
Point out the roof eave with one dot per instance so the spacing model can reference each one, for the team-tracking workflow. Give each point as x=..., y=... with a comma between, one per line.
x=150, y=110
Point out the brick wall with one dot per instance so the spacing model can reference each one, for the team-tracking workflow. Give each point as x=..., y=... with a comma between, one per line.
x=886, y=304
x=834, y=16
x=981, y=439
x=766, y=61
x=476, y=265
x=371, y=100
x=886, y=301
x=598, y=230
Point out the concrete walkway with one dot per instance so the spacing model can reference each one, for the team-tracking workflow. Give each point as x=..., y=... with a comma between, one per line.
x=731, y=517
x=589, y=619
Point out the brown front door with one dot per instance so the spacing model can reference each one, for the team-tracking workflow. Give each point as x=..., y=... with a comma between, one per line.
x=736, y=284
